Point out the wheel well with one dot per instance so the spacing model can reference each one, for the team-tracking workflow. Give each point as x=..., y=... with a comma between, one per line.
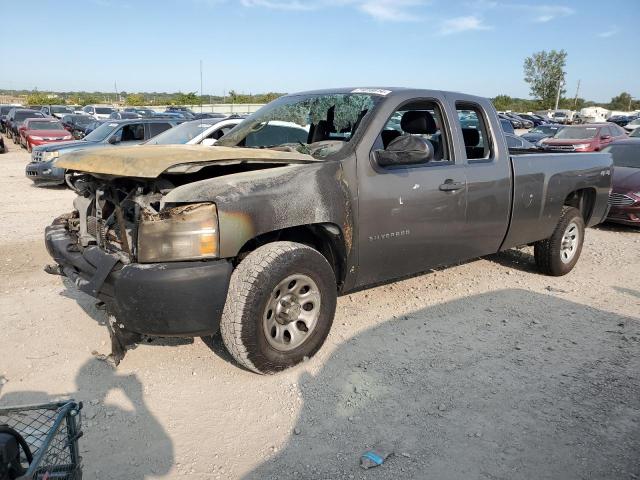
x=326, y=238
x=584, y=200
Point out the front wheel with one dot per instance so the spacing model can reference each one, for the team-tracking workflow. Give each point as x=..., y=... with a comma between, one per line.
x=558, y=254
x=280, y=307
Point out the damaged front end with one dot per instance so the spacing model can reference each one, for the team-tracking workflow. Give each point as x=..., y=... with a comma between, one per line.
x=146, y=261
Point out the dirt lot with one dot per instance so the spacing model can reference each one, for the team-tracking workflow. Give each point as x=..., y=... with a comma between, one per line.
x=484, y=370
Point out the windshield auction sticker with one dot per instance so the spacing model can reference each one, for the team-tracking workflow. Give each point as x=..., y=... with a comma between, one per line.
x=372, y=91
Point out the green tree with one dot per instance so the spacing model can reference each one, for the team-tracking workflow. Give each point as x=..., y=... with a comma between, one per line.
x=189, y=98
x=38, y=98
x=135, y=99
x=621, y=102
x=544, y=72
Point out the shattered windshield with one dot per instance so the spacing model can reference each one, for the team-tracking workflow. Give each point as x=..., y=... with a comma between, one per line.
x=318, y=125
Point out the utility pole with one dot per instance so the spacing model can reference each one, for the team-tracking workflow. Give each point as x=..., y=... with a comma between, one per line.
x=575, y=101
x=560, y=83
x=630, y=100
x=115, y=89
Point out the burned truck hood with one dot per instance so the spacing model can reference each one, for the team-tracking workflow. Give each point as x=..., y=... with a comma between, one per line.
x=150, y=161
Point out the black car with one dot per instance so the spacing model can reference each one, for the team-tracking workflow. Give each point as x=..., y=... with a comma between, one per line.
x=2, y=147
x=541, y=132
x=518, y=143
x=42, y=170
x=507, y=126
x=15, y=117
x=77, y=124
x=200, y=116
x=622, y=120
x=525, y=123
x=4, y=111
x=515, y=123
x=532, y=118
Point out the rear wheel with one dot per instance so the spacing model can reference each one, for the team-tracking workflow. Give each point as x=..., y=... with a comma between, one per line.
x=280, y=307
x=558, y=254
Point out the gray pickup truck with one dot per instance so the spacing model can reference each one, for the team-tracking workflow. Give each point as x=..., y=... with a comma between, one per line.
x=258, y=242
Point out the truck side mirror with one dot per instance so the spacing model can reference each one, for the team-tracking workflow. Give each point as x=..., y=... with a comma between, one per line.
x=209, y=142
x=405, y=150
x=113, y=140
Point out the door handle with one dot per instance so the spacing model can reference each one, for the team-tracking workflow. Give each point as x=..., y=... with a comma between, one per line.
x=451, y=186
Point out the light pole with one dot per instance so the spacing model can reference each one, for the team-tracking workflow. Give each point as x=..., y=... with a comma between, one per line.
x=560, y=83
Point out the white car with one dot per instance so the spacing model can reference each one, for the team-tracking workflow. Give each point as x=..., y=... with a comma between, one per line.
x=208, y=131
x=631, y=126
x=98, y=111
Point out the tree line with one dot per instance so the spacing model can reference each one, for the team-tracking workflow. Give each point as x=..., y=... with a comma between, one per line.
x=137, y=99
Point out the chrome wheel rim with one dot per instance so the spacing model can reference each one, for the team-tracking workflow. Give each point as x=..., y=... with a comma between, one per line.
x=570, y=242
x=292, y=312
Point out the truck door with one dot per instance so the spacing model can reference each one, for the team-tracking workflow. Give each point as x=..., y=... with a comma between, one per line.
x=480, y=143
x=411, y=217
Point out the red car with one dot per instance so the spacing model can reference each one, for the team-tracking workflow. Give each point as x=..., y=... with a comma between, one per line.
x=591, y=137
x=625, y=189
x=38, y=131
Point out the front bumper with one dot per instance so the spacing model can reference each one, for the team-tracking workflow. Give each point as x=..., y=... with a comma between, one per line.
x=625, y=215
x=44, y=172
x=183, y=299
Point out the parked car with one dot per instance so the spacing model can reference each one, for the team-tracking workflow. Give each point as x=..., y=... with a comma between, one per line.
x=57, y=111
x=532, y=118
x=561, y=117
x=42, y=131
x=94, y=124
x=197, y=131
x=625, y=194
x=515, y=123
x=525, y=123
x=258, y=242
x=3, y=148
x=124, y=115
x=635, y=133
x=632, y=125
x=620, y=120
x=592, y=137
x=200, y=116
x=42, y=170
x=15, y=117
x=98, y=111
x=4, y=111
x=518, y=143
x=535, y=135
x=77, y=124
x=507, y=126
x=143, y=112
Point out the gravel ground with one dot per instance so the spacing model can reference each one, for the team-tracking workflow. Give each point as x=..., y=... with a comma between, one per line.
x=483, y=370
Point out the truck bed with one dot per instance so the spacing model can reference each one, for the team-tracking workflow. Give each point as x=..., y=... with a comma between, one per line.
x=542, y=183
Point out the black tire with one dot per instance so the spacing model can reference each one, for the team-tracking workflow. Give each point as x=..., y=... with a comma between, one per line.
x=250, y=291
x=549, y=253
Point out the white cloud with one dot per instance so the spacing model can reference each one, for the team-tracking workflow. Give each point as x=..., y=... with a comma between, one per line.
x=546, y=13
x=462, y=24
x=280, y=4
x=384, y=10
x=608, y=33
x=391, y=10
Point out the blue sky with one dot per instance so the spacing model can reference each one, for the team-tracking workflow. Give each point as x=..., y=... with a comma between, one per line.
x=475, y=46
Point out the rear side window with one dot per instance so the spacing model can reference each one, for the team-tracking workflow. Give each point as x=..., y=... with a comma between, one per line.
x=156, y=128
x=477, y=142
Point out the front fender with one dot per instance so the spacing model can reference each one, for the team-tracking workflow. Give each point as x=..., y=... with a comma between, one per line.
x=261, y=201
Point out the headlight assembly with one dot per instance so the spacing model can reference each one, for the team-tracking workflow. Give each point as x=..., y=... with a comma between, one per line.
x=46, y=156
x=187, y=232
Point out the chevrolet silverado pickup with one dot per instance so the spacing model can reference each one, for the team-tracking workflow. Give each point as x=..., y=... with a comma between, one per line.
x=257, y=236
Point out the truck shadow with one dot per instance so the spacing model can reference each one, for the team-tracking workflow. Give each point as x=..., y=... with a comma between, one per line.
x=516, y=259
x=509, y=384
x=107, y=427
x=617, y=227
